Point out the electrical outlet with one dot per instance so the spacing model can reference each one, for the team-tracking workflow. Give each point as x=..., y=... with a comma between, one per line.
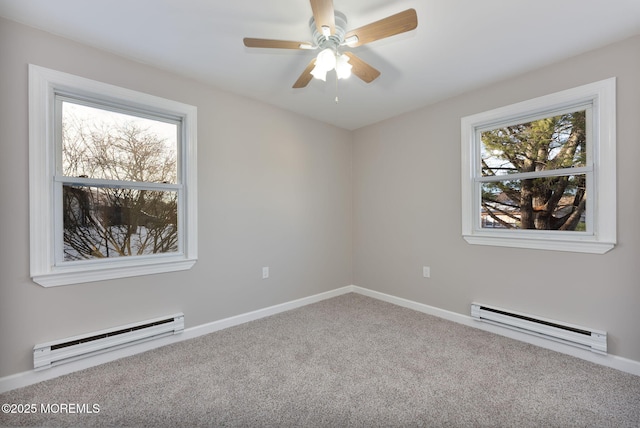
x=265, y=272
x=426, y=271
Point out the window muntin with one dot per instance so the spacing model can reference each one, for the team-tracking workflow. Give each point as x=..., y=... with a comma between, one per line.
x=92, y=215
x=575, y=173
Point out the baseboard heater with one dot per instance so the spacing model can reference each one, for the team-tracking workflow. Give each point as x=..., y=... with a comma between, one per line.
x=70, y=349
x=582, y=337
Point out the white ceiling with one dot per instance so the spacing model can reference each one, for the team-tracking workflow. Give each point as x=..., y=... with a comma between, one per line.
x=459, y=44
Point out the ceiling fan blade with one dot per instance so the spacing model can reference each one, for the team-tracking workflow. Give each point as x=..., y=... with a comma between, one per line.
x=324, y=15
x=306, y=76
x=361, y=69
x=389, y=26
x=277, y=44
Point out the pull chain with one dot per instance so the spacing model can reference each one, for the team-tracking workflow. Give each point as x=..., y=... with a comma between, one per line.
x=337, y=100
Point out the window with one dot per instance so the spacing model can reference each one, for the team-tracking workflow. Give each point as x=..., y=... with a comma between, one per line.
x=541, y=173
x=112, y=181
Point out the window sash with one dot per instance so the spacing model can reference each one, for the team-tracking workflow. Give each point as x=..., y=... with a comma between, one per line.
x=59, y=241
x=78, y=98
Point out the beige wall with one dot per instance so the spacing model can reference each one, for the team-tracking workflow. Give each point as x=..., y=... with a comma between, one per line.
x=407, y=212
x=274, y=190
x=321, y=206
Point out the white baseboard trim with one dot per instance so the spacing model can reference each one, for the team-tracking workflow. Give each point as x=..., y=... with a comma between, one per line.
x=612, y=361
x=31, y=377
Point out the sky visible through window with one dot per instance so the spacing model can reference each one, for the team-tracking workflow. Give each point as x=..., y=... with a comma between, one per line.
x=104, y=144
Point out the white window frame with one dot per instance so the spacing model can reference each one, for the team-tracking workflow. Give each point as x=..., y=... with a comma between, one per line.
x=600, y=236
x=44, y=84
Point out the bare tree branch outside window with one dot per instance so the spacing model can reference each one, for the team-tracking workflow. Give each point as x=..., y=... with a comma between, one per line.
x=118, y=198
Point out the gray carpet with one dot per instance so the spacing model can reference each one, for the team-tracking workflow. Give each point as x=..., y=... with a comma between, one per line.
x=346, y=361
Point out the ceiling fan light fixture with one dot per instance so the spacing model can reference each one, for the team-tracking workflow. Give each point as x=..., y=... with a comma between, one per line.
x=328, y=60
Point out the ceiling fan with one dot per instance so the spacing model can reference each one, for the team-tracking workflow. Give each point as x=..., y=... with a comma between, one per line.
x=329, y=36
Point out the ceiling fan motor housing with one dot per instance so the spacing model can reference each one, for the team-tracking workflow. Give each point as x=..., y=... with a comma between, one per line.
x=334, y=40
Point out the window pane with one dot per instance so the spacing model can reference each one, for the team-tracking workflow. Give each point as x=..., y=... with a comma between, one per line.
x=541, y=145
x=548, y=203
x=108, y=222
x=101, y=144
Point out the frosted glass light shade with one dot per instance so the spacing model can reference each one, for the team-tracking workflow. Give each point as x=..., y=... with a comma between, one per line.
x=326, y=60
x=343, y=68
x=319, y=73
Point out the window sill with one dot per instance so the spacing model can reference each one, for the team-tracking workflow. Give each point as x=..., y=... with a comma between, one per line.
x=112, y=270
x=576, y=246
